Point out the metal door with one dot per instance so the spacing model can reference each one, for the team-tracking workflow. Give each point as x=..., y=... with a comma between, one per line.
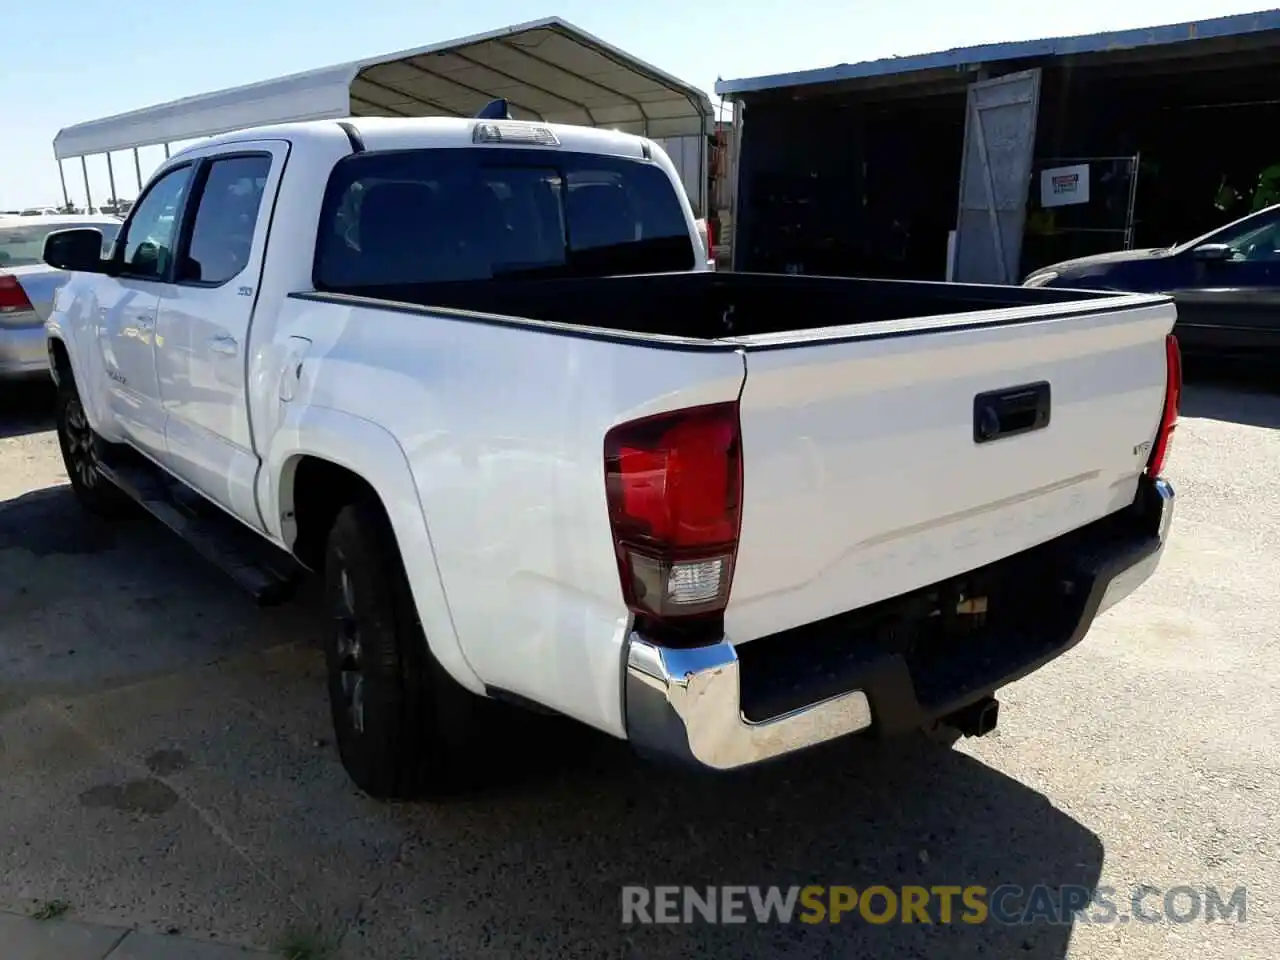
x=995, y=171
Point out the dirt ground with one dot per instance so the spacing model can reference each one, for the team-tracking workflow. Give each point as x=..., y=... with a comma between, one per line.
x=166, y=762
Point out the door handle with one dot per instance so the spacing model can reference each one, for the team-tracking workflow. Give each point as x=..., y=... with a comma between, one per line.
x=224, y=344
x=1011, y=411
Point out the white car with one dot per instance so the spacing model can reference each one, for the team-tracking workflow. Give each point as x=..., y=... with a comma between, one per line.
x=27, y=285
x=476, y=374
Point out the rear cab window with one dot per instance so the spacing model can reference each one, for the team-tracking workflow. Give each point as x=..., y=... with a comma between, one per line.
x=446, y=215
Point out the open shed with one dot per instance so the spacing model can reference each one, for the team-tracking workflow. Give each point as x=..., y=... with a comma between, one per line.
x=547, y=70
x=982, y=163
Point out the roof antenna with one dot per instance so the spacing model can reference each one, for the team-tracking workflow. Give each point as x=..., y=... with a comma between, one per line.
x=495, y=110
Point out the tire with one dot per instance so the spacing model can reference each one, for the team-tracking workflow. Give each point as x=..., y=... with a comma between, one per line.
x=82, y=451
x=404, y=728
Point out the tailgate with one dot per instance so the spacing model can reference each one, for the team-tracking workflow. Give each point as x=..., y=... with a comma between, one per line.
x=864, y=477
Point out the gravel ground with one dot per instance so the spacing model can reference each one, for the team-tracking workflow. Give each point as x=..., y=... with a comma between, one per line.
x=165, y=762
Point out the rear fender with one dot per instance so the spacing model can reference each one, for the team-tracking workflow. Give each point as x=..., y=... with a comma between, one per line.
x=373, y=454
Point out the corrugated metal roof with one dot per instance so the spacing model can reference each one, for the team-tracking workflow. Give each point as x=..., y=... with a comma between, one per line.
x=546, y=69
x=1240, y=24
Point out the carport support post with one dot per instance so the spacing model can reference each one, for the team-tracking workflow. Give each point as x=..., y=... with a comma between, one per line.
x=739, y=119
x=703, y=168
x=137, y=170
x=111, y=179
x=66, y=197
x=88, y=198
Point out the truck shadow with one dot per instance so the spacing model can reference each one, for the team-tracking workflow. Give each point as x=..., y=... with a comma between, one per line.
x=855, y=813
x=534, y=864
x=1247, y=394
x=49, y=521
x=26, y=406
x=1226, y=401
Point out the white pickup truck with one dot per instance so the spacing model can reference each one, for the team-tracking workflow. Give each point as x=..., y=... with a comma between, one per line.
x=476, y=374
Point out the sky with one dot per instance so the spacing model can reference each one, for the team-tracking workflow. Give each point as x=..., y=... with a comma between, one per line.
x=68, y=61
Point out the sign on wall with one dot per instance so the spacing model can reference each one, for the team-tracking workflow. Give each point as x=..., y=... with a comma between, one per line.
x=1062, y=186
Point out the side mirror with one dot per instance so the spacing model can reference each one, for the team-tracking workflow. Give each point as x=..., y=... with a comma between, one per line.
x=79, y=249
x=1213, y=252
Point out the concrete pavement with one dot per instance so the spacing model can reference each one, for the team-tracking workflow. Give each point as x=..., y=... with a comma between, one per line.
x=24, y=938
x=166, y=762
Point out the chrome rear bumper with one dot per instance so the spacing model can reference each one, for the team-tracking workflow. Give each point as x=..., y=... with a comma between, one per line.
x=685, y=704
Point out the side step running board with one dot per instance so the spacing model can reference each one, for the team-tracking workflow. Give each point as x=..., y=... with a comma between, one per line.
x=267, y=573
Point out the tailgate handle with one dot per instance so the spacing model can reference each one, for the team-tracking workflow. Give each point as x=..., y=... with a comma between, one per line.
x=1011, y=411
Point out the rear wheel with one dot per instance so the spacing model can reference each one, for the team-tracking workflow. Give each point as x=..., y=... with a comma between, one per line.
x=404, y=727
x=82, y=450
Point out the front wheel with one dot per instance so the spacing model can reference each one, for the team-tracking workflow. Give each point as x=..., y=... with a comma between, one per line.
x=404, y=727
x=82, y=451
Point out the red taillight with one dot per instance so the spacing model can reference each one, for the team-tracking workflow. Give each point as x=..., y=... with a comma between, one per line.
x=13, y=299
x=711, y=240
x=1172, y=400
x=674, y=488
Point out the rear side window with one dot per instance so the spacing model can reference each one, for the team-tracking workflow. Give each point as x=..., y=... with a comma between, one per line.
x=439, y=216
x=222, y=235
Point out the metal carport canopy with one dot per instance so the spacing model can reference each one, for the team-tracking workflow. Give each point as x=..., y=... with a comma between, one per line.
x=546, y=70
x=962, y=59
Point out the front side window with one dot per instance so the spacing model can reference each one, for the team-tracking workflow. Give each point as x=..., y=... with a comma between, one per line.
x=109, y=231
x=1256, y=239
x=438, y=216
x=222, y=234
x=153, y=228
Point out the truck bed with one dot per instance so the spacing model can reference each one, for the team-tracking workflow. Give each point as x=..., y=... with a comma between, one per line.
x=712, y=306
x=862, y=407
